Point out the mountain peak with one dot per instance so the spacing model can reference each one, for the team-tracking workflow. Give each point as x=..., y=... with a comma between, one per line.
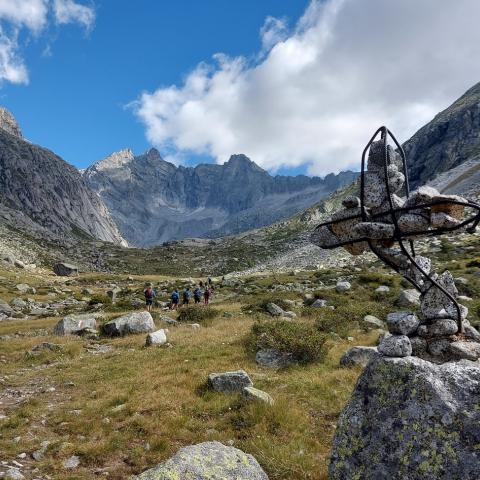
x=9, y=124
x=115, y=160
x=239, y=160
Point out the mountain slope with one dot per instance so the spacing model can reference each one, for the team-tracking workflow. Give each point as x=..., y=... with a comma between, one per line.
x=153, y=201
x=42, y=193
x=450, y=139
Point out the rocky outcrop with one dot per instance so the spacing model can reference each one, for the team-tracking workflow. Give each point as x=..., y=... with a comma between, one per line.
x=449, y=140
x=153, y=201
x=409, y=419
x=40, y=189
x=9, y=124
x=207, y=461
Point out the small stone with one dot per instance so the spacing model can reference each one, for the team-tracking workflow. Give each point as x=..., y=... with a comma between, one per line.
x=156, y=338
x=230, y=382
x=71, y=462
x=319, y=303
x=373, y=322
x=419, y=346
x=356, y=356
x=272, y=358
x=13, y=474
x=382, y=289
x=402, y=323
x=472, y=333
x=256, y=395
x=25, y=288
x=351, y=202
x=342, y=286
x=289, y=315
x=274, y=310
x=467, y=350
x=395, y=346
x=443, y=326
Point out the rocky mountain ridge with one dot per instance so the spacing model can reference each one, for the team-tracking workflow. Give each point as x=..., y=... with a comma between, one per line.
x=45, y=196
x=153, y=201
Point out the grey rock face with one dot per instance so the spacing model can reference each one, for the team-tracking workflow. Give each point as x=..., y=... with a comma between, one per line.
x=73, y=324
x=450, y=139
x=65, y=269
x=409, y=419
x=136, y=322
x=230, y=382
x=207, y=461
x=153, y=201
x=358, y=356
x=395, y=346
x=9, y=124
x=48, y=192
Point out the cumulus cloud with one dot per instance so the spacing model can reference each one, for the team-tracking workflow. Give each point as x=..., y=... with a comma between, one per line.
x=318, y=93
x=33, y=17
x=68, y=11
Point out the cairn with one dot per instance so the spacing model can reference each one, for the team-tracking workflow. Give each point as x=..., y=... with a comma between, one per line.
x=386, y=219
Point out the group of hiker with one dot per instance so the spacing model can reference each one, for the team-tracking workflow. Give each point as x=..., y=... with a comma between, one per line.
x=203, y=291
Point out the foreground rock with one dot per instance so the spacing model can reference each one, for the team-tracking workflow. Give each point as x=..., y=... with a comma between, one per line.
x=230, y=382
x=65, y=269
x=136, y=322
x=75, y=324
x=253, y=394
x=207, y=461
x=409, y=419
x=271, y=358
x=358, y=356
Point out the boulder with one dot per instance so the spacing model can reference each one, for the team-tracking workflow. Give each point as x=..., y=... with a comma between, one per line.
x=253, y=394
x=5, y=308
x=358, y=356
x=274, y=310
x=207, y=461
x=269, y=357
x=409, y=298
x=229, y=382
x=342, y=287
x=169, y=320
x=156, y=338
x=75, y=324
x=113, y=293
x=136, y=322
x=25, y=288
x=395, y=346
x=410, y=419
x=65, y=269
x=402, y=323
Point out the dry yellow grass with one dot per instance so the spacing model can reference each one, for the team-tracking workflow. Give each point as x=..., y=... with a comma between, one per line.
x=125, y=411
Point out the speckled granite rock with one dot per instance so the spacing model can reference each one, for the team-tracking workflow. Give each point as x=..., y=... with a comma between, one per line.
x=207, y=461
x=409, y=419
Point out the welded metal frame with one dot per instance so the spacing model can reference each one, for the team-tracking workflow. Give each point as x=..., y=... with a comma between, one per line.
x=399, y=236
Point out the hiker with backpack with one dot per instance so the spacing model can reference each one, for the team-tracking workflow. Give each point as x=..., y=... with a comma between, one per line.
x=149, y=297
x=197, y=295
x=186, y=296
x=175, y=299
x=206, y=295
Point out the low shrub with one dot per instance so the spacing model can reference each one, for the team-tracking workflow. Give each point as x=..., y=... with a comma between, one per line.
x=374, y=279
x=197, y=314
x=105, y=299
x=303, y=341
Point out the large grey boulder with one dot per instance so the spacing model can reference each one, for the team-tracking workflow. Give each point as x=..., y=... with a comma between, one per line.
x=65, y=269
x=402, y=323
x=409, y=419
x=207, y=461
x=156, y=338
x=136, y=322
x=74, y=324
x=395, y=346
x=356, y=356
x=230, y=382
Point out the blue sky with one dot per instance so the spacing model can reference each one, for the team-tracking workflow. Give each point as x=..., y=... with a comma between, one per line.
x=80, y=82
x=297, y=85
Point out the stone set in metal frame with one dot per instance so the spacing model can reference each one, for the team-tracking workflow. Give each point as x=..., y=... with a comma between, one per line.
x=386, y=218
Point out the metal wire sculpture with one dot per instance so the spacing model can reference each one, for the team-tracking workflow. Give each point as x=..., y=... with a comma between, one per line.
x=384, y=222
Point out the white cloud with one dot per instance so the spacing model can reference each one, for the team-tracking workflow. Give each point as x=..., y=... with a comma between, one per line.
x=32, y=16
x=68, y=11
x=317, y=94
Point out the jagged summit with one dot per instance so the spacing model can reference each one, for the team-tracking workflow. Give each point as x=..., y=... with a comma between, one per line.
x=114, y=160
x=9, y=124
x=239, y=160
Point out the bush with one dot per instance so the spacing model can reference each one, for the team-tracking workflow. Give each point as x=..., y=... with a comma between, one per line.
x=303, y=341
x=374, y=279
x=197, y=314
